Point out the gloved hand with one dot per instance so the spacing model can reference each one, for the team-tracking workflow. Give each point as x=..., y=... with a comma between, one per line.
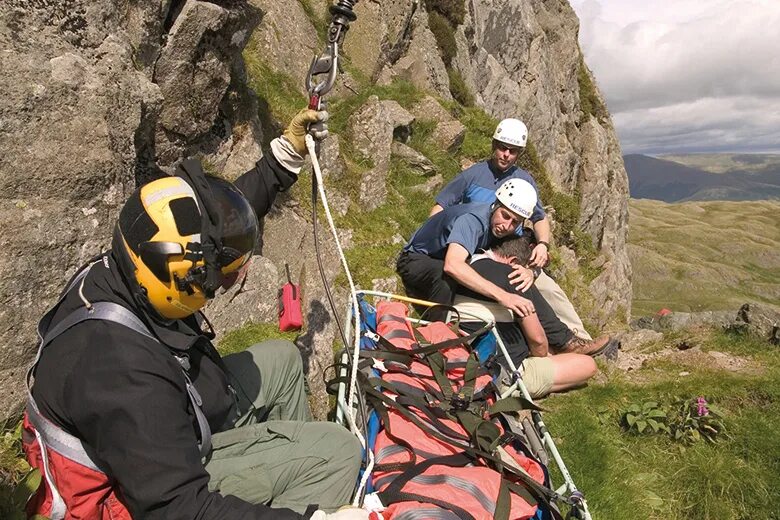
x=304, y=121
x=348, y=513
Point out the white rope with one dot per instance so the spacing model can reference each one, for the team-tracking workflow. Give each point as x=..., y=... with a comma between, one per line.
x=350, y=412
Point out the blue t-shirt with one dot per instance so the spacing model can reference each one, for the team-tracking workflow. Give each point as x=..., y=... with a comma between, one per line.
x=479, y=183
x=464, y=224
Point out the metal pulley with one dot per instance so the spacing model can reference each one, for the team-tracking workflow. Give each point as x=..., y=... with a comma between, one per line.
x=324, y=68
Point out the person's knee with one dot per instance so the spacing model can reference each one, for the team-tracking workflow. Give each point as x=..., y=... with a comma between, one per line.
x=346, y=450
x=589, y=367
x=283, y=350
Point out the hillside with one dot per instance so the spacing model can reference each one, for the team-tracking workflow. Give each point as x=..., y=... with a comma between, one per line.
x=704, y=255
x=727, y=162
x=671, y=181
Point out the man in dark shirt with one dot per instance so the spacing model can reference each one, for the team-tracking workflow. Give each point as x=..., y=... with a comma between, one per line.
x=529, y=340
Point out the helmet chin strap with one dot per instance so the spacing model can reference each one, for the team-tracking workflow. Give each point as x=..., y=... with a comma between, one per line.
x=211, y=230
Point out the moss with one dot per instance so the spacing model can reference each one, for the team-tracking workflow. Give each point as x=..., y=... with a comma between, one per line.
x=459, y=90
x=278, y=95
x=590, y=103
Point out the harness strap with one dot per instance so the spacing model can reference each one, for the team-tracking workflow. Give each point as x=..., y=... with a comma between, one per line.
x=54, y=437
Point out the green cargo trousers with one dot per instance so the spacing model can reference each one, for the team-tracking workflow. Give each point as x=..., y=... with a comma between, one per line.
x=276, y=455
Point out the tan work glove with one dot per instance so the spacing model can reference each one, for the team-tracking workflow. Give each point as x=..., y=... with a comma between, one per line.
x=301, y=124
x=348, y=513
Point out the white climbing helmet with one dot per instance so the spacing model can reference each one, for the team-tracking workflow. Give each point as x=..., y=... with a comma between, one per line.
x=512, y=132
x=518, y=196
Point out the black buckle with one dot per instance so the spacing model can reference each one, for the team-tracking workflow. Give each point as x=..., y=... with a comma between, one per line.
x=459, y=402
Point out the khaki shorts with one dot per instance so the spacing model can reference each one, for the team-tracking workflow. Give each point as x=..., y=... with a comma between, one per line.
x=538, y=375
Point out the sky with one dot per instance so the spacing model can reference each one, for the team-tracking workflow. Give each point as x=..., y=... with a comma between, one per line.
x=685, y=76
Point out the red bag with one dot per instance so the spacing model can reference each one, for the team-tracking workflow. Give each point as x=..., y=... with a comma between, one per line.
x=290, y=315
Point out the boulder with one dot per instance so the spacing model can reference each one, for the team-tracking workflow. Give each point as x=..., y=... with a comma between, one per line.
x=413, y=158
x=372, y=129
x=758, y=320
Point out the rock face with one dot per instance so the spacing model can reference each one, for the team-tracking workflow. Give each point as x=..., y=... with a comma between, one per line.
x=529, y=69
x=101, y=96
x=372, y=130
x=96, y=97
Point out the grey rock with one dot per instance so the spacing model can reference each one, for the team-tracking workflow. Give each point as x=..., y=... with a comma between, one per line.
x=386, y=285
x=428, y=109
x=675, y=321
x=413, y=158
x=286, y=39
x=431, y=185
x=449, y=135
x=758, y=320
x=635, y=340
x=331, y=162
x=372, y=129
x=449, y=132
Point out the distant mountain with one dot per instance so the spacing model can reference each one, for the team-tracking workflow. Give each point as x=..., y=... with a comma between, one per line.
x=670, y=181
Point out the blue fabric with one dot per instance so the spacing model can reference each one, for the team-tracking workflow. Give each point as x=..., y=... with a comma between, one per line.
x=464, y=224
x=479, y=183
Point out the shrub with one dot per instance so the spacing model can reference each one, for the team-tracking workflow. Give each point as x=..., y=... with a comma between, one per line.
x=445, y=36
x=453, y=10
x=459, y=90
x=590, y=103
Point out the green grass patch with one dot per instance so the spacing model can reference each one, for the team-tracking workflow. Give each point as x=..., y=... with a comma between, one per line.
x=444, y=34
x=624, y=475
x=278, y=94
x=240, y=339
x=453, y=10
x=458, y=88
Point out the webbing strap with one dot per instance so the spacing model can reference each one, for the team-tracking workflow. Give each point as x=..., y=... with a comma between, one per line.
x=58, y=439
x=54, y=437
x=427, y=513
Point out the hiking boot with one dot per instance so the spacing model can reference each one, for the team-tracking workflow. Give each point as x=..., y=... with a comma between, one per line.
x=591, y=348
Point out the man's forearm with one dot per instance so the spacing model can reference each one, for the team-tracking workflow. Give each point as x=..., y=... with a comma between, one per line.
x=542, y=230
x=466, y=276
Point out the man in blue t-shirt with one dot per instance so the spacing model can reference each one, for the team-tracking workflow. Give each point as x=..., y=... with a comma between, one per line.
x=435, y=260
x=479, y=182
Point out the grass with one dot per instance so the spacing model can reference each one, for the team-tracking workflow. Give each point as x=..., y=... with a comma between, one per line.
x=698, y=256
x=630, y=476
x=240, y=339
x=278, y=94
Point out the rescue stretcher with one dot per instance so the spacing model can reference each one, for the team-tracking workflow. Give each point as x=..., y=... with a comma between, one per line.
x=359, y=389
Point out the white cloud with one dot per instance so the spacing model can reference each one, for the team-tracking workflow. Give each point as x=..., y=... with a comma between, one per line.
x=710, y=66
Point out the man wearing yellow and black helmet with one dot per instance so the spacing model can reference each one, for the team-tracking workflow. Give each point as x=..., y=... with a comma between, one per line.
x=133, y=413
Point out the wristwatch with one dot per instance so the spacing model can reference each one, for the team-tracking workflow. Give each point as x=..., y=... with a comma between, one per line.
x=546, y=245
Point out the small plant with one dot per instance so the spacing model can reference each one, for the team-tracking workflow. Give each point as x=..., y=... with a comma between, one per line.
x=649, y=417
x=695, y=419
x=686, y=420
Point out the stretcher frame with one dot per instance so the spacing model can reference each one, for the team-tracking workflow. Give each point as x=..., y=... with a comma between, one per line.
x=568, y=490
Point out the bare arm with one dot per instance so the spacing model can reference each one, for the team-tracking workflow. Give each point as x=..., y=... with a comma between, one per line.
x=456, y=266
x=540, y=254
x=434, y=210
x=534, y=335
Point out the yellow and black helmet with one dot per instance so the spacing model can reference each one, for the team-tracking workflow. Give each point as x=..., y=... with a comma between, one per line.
x=178, y=241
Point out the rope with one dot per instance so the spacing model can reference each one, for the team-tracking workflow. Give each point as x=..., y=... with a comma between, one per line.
x=311, y=147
